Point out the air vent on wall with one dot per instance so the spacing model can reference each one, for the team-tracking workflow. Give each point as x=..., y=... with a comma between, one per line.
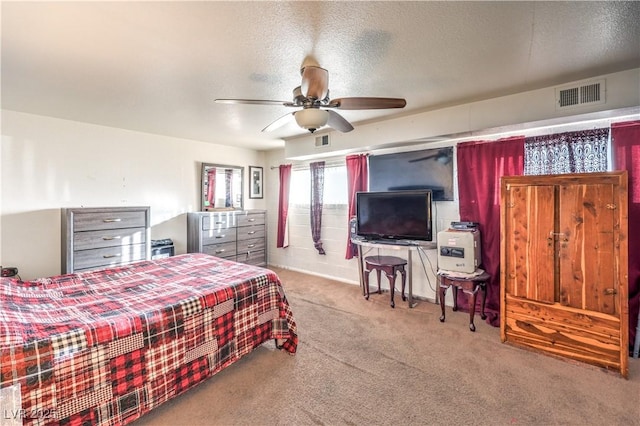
x=585, y=93
x=322, y=140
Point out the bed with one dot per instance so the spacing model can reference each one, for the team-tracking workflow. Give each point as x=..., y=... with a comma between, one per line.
x=105, y=347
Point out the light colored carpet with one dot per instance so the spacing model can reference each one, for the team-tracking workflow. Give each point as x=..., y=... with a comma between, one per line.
x=363, y=363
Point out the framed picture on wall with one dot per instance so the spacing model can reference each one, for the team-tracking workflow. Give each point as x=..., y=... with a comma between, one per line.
x=255, y=182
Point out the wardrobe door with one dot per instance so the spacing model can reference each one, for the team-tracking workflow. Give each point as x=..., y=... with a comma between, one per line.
x=530, y=260
x=587, y=248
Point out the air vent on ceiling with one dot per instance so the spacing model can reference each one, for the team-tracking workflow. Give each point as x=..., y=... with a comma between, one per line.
x=322, y=140
x=585, y=93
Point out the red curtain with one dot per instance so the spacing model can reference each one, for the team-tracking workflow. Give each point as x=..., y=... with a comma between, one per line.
x=357, y=179
x=282, y=239
x=211, y=187
x=480, y=166
x=625, y=141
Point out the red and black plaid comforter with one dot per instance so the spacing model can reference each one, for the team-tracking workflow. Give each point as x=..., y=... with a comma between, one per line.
x=105, y=347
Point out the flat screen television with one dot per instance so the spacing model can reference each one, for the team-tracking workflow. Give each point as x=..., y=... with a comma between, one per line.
x=425, y=169
x=394, y=215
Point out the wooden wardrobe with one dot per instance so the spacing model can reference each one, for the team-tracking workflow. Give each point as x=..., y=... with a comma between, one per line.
x=564, y=276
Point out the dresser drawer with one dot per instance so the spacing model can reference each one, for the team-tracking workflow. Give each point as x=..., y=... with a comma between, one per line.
x=245, y=246
x=218, y=221
x=246, y=219
x=108, y=256
x=251, y=232
x=256, y=258
x=218, y=236
x=221, y=250
x=109, y=238
x=109, y=220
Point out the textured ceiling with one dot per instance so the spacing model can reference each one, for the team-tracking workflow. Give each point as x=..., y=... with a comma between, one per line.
x=156, y=67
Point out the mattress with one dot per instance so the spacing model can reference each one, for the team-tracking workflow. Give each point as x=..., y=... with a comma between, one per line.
x=105, y=347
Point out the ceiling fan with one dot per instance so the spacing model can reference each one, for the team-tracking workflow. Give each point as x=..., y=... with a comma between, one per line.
x=317, y=109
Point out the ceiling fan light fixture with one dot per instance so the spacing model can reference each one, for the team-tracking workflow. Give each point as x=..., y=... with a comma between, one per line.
x=312, y=118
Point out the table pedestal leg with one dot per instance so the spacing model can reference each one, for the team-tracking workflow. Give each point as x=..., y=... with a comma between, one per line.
x=443, y=292
x=484, y=300
x=365, y=290
x=472, y=309
x=455, y=297
x=392, y=286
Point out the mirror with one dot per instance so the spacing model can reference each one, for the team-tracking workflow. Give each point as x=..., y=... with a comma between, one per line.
x=221, y=187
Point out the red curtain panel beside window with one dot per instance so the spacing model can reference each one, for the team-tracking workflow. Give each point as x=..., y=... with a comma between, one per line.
x=357, y=178
x=480, y=167
x=625, y=141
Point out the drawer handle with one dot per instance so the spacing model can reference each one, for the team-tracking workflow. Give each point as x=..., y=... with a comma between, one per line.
x=251, y=246
x=251, y=232
x=220, y=223
x=220, y=236
x=109, y=256
x=108, y=238
x=117, y=219
x=252, y=220
x=220, y=251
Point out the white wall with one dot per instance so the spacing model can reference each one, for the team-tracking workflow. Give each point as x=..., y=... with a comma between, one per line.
x=48, y=163
x=302, y=256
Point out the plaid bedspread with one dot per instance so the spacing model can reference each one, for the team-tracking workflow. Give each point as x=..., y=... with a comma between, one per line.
x=105, y=347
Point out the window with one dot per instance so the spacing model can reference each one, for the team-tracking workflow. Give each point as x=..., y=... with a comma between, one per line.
x=585, y=151
x=335, y=186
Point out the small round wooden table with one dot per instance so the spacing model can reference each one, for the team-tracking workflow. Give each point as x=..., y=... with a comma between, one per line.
x=390, y=265
x=470, y=286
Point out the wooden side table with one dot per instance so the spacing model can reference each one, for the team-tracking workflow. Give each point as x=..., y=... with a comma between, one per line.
x=390, y=265
x=470, y=286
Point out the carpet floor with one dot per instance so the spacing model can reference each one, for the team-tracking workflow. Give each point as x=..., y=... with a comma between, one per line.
x=361, y=362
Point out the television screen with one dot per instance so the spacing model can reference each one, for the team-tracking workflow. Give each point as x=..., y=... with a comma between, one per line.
x=394, y=215
x=425, y=169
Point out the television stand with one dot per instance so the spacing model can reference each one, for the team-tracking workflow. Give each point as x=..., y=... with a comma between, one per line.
x=408, y=245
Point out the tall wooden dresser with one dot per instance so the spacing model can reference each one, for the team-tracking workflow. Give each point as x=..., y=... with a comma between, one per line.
x=564, y=278
x=238, y=235
x=101, y=237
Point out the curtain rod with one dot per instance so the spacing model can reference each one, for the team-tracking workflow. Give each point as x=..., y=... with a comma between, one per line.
x=302, y=166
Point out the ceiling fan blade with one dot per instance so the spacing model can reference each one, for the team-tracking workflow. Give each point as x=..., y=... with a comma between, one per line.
x=336, y=121
x=367, y=103
x=253, y=102
x=441, y=156
x=278, y=123
x=315, y=82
